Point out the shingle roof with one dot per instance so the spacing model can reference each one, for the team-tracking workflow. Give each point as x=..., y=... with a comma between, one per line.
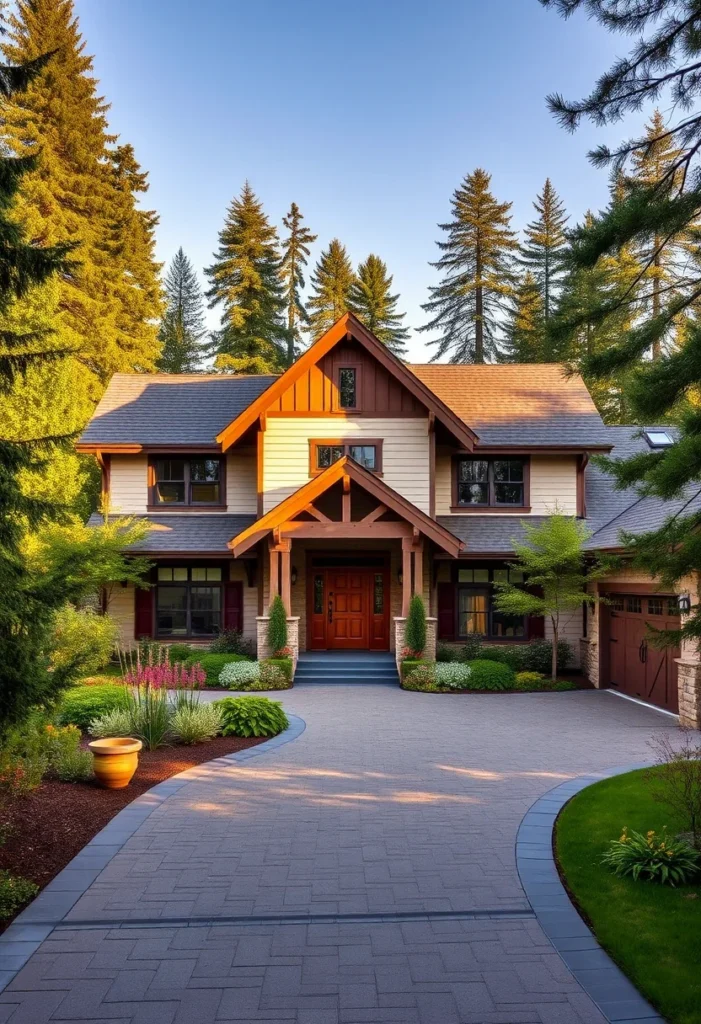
x=489, y=534
x=206, y=533
x=164, y=408
x=530, y=403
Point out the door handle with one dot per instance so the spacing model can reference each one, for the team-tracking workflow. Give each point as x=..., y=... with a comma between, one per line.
x=642, y=651
x=330, y=610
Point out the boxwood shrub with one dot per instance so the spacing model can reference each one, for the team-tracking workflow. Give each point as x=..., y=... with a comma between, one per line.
x=82, y=704
x=490, y=675
x=213, y=664
x=408, y=665
x=284, y=664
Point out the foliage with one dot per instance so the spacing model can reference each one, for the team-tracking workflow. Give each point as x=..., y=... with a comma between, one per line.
x=490, y=675
x=182, y=330
x=653, y=857
x=117, y=722
x=468, y=306
x=231, y=641
x=21, y=773
x=212, y=665
x=370, y=298
x=472, y=648
x=525, y=333
x=407, y=665
x=83, y=639
x=676, y=782
x=82, y=704
x=15, y=891
x=454, y=676
x=555, y=574
x=446, y=653
x=543, y=251
x=295, y=253
x=164, y=676
x=524, y=680
x=251, y=716
x=422, y=677
x=196, y=723
x=277, y=625
x=73, y=765
x=237, y=675
x=272, y=677
x=537, y=656
x=331, y=280
x=415, y=628
x=179, y=652
x=285, y=664
x=510, y=655
x=244, y=280
x=150, y=714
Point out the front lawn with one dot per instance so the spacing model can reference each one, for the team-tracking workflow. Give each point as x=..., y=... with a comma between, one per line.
x=652, y=931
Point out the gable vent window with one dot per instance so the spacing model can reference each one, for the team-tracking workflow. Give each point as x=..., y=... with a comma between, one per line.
x=186, y=482
x=348, y=387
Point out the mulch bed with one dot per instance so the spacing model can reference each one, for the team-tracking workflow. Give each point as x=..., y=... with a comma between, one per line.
x=49, y=826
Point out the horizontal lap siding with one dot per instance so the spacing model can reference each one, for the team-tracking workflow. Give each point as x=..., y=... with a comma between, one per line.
x=570, y=631
x=405, y=458
x=128, y=483
x=241, y=482
x=553, y=482
x=121, y=609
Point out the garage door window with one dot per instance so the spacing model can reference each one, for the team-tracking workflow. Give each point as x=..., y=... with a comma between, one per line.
x=634, y=605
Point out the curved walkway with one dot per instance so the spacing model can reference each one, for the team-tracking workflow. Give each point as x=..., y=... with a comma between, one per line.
x=363, y=873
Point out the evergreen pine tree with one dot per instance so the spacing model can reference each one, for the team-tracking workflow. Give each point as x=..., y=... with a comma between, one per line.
x=370, y=298
x=295, y=252
x=525, y=330
x=468, y=305
x=544, y=247
x=182, y=327
x=245, y=281
x=331, y=280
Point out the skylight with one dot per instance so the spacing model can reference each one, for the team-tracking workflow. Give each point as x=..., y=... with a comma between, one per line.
x=658, y=438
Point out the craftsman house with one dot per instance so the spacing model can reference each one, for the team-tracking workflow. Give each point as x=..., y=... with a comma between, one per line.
x=352, y=481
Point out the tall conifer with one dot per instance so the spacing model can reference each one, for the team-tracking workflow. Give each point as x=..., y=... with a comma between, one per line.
x=182, y=327
x=295, y=253
x=468, y=306
x=544, y=247
x=331, y=280
x=525, y=330
x=371, y=299
x=245, y=282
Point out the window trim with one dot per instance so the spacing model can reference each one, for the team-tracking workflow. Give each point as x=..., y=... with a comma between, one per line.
x=160, y=506
x=336, y=396
x=489, y=587
x=188, y=584
x=345, y=443
x=490, y=508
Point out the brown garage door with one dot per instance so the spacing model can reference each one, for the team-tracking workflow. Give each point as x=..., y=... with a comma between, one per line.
x=634, y=666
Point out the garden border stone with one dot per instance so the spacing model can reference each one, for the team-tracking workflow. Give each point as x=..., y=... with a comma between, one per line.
x=36, y=922
x=602, y=979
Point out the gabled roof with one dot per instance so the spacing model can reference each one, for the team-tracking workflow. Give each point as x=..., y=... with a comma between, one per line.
x=534, y=404
x=168, y=408
x=347, y=325
x=345, y=467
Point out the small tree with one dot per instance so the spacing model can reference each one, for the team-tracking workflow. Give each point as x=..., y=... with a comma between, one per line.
x=277, y=625
x=415, y=632
x=555, y=574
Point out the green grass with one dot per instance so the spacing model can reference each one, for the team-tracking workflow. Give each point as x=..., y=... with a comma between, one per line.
x=652, y=931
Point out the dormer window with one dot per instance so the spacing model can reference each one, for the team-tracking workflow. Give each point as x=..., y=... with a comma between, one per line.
x=658, y=438
x=490, y=484
x=186, y=482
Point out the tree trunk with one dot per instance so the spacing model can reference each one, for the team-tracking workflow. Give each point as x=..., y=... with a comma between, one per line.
x=656, y=304
x=554, y=659
x=479, y=307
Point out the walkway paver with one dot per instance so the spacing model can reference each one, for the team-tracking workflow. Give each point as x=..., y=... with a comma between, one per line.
x=363, y=873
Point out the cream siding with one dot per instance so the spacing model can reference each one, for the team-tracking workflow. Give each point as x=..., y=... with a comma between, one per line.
x=121, y=609
x=241, y=482
x=128, y=483
x=553, y=482
x=405, y=458
x=570, y=631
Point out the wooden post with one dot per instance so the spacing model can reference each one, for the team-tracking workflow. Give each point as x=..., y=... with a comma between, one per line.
x=419, y=569
x=346, y=500
x=274, y=571
x=406, y=575
x=286, y=575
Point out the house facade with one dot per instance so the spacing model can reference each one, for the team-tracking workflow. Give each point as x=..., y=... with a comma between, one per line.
x=353, y=481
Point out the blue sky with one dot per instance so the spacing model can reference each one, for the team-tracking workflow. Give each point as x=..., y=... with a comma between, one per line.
x=366, y=114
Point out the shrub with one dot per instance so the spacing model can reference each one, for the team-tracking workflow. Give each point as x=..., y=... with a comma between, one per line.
x=195, y=723
x=114, y=723
x=251, y=716
x=80, y=705
x=472, y=648
x=277, y=625
x=490, y=675
x=446, y=653
x=654, y=857
x=422, y=677
x=238, y=675
x=73, y=765
x=676, y=780
x=272, y=677
x=101, y=680
x=454, y=676
x=537, y=656
x=407, y=666
x=231, y=641
x=179, y=652
x=82, y=639
x=507, y=655
x=286, y=665
x=525, y=680
x=415, y=629
x=19, y=775
x=212, y=664
x=14, y=893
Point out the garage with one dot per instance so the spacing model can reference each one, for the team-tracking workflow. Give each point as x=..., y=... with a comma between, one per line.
x=630, y=663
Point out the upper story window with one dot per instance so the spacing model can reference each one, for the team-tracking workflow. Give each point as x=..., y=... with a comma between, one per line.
x=348, y=387
x=194, y=481
x=366, y=452
x=491, y=483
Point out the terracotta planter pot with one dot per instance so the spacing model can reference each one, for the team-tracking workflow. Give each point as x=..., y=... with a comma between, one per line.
x=115, y=760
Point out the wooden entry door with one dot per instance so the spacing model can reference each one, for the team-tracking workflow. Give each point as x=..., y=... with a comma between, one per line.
x=634, y=666
x=348, y=609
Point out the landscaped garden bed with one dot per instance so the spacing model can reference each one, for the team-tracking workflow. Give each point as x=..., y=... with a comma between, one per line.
x=652, y=930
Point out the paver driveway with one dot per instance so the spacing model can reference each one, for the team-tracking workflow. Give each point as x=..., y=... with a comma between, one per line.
x=389, y=805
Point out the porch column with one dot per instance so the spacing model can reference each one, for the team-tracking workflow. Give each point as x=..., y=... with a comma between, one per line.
x=406, y=574
x=689, y=666
x=286, y=575
x=274, y=571
x=419, y=569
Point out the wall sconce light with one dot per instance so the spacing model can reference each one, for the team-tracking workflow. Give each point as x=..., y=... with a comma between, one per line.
x=400, y=576
x=293, y=575
x=684, y=603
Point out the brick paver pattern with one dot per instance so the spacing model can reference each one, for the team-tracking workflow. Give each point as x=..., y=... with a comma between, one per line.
x=392, y=812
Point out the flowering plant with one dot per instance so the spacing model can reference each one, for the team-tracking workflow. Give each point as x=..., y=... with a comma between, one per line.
x=653, y=857
x=162, y=676
x=410, y=653
x=284, y=652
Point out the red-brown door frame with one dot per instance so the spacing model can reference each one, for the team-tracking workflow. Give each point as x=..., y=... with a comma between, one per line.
x=361, y=563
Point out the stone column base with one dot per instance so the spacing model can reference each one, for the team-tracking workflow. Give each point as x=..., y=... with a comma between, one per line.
x=429, y=652
x=263, y=647
x=689, y=693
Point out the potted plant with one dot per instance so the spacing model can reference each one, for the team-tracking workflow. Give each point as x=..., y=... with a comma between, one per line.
x=115, y=760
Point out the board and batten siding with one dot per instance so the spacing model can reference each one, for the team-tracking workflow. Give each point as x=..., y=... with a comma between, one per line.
x=405, y=453
x=129, y=483
x=553, y=482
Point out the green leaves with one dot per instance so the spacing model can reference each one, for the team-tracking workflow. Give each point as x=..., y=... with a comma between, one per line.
x=654, y=857
x=251, y=716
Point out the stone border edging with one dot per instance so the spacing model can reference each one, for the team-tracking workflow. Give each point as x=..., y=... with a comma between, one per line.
x=602, y=980
x=36, y=922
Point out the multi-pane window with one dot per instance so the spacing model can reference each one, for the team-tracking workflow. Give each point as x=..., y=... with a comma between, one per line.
x=477, y=613
x=365, y=454
x=348, y=387
x=325, y=453
x=490, y=482
x=187, y=482
x=188, y=601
